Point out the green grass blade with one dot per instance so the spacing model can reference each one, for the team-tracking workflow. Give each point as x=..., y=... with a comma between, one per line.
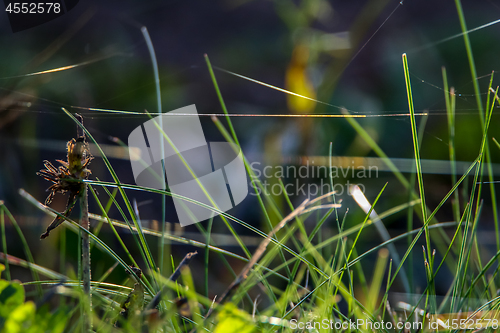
x=152, y=54
x=4, y=241
x=24, y=243
x=450, y=98
x=105, y=214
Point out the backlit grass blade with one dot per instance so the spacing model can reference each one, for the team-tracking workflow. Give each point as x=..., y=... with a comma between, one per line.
x=105, y=214
x=450, y=98
x=416, y=150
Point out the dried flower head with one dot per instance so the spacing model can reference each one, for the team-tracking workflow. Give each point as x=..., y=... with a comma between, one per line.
x=67, y=178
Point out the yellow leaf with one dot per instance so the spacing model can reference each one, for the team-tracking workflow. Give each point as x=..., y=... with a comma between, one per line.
x=297, y=81
x=233, y=320
x=21, y=318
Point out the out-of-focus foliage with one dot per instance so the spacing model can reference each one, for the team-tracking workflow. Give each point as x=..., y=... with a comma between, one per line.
x=20, y=316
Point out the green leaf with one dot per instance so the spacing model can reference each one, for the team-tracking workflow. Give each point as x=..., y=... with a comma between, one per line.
x=11, y=296
x=50, y=322
x=21, y=318
x=233, y=320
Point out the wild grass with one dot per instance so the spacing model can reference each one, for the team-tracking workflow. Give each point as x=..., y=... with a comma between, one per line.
x=298, y=283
